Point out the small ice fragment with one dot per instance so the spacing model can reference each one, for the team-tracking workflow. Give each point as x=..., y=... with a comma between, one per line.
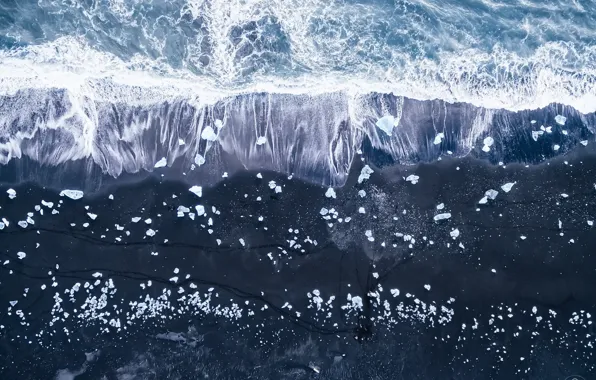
x=584, y=142
x=508, y=186
x=150, y=232
x=330, y=193
x=208, y=134
x=161, y=163
x=427, y=287
x=21, y=255
x=560, y=119
x=261, y=140
x=440, y=206
x=72, y=194
x=200, y=210
x=454, y=234
x=386, y=124
x=92, y=216
x=11, y=193
x=362, y=193
x=532, y=121
x=556, y=147
x=181, y=142
x=412, y=178
x=483, y=201
x=324, y=211
x=196, y=190
x=590, y=223
x=439, y=138
x=218, y=124
x=445, y=215
x=395, y=292
x=199, y=160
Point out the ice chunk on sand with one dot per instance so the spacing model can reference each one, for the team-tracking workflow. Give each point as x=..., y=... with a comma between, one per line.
x=439, y=138
x=560, y=119
x=208, y=134
x=330, y=193
x=161, y=163
x=508, y=186
x=488, y=142
x=72, y=194
x=196, y=190
x=365, y=173
x=386, y=124
x=445, y=215
x=262, y=140
x=412, y=178
x=199, y=160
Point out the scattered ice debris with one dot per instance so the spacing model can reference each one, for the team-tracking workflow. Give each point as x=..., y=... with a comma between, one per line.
x=439, y=138
x=584, y=142
x=150, y=232
x=148, y=221
x=362, y=193
x=368, y=234
x=208, y=134
x=181, y=142
x=262, y=140
x=72, y=194
x=92, y=215
x=330, y=193
x=454, y=234
x=493, y=270
x=523, y=237
x=200, y=210
x=547, y=129
x=136, y=219
x=196, y=190
x=22, y=224
x=21, y=255
x=412, y=178
x=508, y=186
x=361, y=210
x=427, y=287
x=395, y=292
x=324, y=211
x=386, y=124
x=445, y=215
x=564, y=195
x=560, y=119
x=590, y=223
x=556, y=147
x=440, y=206
x=365, y=173
x=111, y=197
x=12, y=194
x=532, y=121
x=488, y=142
x=242, y=242
x=161, y=163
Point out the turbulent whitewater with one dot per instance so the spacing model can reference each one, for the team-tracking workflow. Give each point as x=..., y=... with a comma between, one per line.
x=292, y=86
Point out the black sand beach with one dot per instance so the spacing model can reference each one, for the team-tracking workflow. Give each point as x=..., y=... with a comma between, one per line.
x=384, y=278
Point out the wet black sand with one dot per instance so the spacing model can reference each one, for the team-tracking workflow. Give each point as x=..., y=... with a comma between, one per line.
x=515, y=300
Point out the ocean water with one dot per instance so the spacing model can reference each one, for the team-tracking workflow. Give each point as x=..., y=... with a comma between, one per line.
x=291, y=86
x=297, y=189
